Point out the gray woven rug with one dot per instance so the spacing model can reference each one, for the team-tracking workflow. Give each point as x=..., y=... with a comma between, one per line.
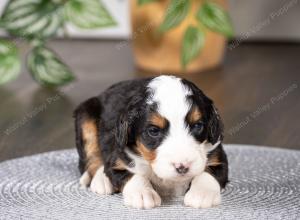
x=265, y=184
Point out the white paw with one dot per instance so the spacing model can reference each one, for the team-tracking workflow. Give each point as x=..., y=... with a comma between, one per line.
x=202, y=198
x=205, y=192
x=138, y=193
x=101, y=184
x=85, y=179
x=144, y=199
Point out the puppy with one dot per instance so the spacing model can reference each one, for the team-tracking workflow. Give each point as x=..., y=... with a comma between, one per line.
x=149, y=138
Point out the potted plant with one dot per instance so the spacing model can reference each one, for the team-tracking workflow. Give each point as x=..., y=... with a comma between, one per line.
x=179, y=36
x=36, y=21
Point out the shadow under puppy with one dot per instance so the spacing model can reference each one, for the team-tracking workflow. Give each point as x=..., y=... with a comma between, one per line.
x=152, y=137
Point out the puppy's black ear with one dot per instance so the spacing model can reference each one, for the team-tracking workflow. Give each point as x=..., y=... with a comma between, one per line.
x=126, y=124
x=121, y=134
x=215, y=125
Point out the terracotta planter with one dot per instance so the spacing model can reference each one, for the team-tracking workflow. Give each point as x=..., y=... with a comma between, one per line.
x=160, y=53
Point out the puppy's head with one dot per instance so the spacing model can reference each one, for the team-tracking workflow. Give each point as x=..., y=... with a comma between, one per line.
x=172, y=127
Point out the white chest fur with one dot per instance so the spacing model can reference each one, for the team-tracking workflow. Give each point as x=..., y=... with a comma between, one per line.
x=169, y=188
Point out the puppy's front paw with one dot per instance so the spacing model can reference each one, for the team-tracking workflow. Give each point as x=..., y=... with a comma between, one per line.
x=101, y=184
x=138, y=193
x=145, y=198
x=205, y=192
x=202, y=198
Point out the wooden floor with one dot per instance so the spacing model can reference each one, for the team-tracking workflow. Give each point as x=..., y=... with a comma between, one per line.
x=257, y=93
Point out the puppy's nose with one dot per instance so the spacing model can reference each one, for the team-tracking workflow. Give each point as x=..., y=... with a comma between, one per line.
x=181, y=168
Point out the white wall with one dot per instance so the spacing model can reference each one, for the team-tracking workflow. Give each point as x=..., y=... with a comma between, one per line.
x=253, y=19
x=266, y=19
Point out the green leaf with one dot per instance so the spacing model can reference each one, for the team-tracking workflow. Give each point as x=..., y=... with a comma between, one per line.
x=193, y=42
x=47, y=69
x=10, y=64
x=142, y=2
x=215, y=18
x=175, y=13
x=88, y=14
x=32, y=18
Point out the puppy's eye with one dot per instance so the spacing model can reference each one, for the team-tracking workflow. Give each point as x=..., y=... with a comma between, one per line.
x=198, y=126
x=153, y=131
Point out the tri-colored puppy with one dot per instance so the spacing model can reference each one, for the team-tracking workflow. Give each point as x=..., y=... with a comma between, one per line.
x=152, y=137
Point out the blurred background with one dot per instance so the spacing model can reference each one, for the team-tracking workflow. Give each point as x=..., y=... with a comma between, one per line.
x=55, y=54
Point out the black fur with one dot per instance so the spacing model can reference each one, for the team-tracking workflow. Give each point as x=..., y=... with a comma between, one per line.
x=122, y=108
x=121, y=112
x=213, y=126
x=220, y=172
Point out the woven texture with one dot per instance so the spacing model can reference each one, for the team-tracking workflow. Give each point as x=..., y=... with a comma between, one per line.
x=264, y=184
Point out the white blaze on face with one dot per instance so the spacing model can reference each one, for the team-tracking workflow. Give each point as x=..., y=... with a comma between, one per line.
x=179, y=146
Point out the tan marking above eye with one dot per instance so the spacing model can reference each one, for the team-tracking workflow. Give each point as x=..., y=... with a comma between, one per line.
x=158, y=120
x=194, y=115
x=146, y=153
